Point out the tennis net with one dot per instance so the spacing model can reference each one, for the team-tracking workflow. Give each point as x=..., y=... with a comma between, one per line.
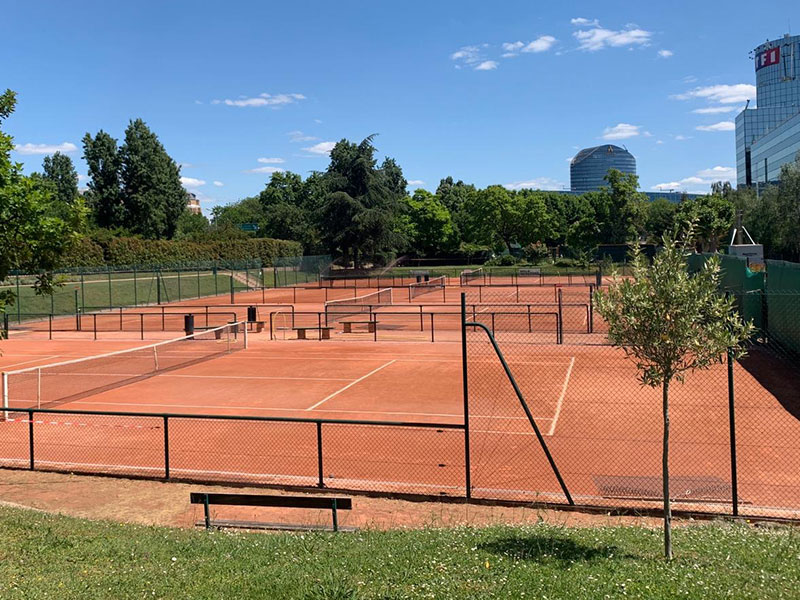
x=425, y=287
x=336, y=310
x=45, y=386
x=471, y=275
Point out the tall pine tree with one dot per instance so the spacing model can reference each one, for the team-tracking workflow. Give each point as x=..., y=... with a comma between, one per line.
x=152, y=193
x=103, y=196
x=60, y=173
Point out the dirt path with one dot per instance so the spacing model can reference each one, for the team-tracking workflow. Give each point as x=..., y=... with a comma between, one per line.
x=156, y=503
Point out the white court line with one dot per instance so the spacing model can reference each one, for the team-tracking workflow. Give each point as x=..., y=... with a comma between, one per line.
x=259, y=377
x=351, y=384
x=25, y=362
x=561, y=397
x=330, y=410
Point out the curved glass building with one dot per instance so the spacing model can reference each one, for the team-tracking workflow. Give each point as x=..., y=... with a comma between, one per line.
x=588, y=169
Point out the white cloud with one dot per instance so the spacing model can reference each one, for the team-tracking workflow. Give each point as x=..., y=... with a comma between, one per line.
x=659, y=142
x=264, y=100
x=724, y=94
x=191, y=182
x=473, y=57
x=45, y=148
x=513, y=46
x=322, y=149
x=721, y=126
x=715, y=110
x=299, y=136
x=598, y=38
x=621, y=131
x=218, y=183
x=541, y=44
x=486, y=65
x=681, y=138
x=582, y=22
x=466, y=53
x=665, y=53
x=538, y=183
x=416, y=182
x=271, y=161
x=700, y=182
x=264, y=170
x=82, y=177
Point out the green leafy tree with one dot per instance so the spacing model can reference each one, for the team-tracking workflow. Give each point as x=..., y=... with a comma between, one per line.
x=191, y=226
x=713, y=214
x=429, y=226
x=498, y=215
x=290, y=205
x=152, y=193
x=104, y=196
x=360, y=214
x=619, y=208
x=670, y=323
x=60, y=173
x=659, y=218
x=32, y=239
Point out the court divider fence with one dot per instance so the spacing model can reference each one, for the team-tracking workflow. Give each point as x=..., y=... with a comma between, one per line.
x=735, y=444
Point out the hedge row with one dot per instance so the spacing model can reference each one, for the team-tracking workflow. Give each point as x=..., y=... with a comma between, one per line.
x=134, y=251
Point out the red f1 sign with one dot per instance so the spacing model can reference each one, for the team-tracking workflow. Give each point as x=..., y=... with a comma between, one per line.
x=772, y=56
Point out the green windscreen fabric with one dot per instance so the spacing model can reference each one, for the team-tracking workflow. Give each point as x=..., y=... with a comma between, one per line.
x=783, y=303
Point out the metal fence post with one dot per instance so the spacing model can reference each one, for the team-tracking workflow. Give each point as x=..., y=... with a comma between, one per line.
x=30, y=439
x=19, y=315
x=135, y=290
x=233, y=299
x=320, y=479
x=464, y=364
x=166, y=447
x=110, y=295
x=732, y=426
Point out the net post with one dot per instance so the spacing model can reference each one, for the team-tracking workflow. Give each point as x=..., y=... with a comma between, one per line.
x=50, y=326
x=245, y=336
x=467, y=469
x=141, y=326
x=155, y=357
x=591, y=308
x=560, y=297
x=433, y=339
x=94, y=325
x=732, y=428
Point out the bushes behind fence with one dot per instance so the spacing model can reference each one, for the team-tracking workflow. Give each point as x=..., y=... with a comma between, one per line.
x=134, y=251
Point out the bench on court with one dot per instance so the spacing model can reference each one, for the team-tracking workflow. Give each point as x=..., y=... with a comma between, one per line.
x=324, y=332
x=257, y=326
x=322, y=502
x=371, y=325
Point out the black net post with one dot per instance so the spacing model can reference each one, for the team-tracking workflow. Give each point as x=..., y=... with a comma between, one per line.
x=320, y=472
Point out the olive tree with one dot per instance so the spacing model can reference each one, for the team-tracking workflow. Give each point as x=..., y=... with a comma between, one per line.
x=671, y=323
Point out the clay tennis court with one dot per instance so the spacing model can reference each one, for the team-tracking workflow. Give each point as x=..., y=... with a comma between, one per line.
x=388, y=416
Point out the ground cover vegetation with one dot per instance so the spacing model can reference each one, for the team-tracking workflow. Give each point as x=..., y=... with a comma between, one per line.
x=45, y=555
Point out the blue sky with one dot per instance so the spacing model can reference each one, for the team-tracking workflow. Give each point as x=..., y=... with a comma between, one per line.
x=491, y=93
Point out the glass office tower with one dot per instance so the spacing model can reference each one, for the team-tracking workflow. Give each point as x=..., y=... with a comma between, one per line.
x=768, y=136
x=588, y=169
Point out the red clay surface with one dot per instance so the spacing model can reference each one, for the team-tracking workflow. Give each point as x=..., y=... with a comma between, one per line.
x=603, y=429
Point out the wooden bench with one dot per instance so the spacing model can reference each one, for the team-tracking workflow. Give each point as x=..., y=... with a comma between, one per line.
x=371, y=325
x=323, y=502
x=324, y=332
x=217, y=334
x=259, y=326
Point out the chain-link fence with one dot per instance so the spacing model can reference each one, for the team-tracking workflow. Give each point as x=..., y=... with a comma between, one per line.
x=735, y=442
x=374, y=456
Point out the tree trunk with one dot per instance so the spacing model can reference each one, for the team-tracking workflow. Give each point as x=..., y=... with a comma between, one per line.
x=665, y=474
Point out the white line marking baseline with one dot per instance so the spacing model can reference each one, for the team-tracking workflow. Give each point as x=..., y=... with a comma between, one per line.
x=561, y=397
x=25, y=362
x=351, y=384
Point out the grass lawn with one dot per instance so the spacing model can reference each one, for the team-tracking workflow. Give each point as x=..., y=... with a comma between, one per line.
x=61, y=557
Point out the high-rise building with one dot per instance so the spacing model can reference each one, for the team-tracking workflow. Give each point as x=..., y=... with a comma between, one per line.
x=193, y=204
x=768, y=136
x=588, y=169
